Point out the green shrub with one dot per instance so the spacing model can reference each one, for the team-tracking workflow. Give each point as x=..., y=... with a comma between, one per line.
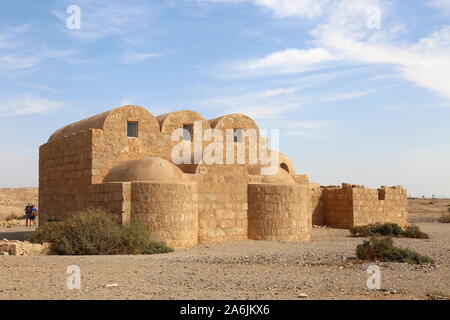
x=157, y=247
x=445, y=218
x=388, y=229
x=383, y=249
x=93, y=233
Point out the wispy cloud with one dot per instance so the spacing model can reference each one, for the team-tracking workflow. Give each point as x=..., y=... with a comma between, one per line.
x=18, y=54
x=347, y=95
x=137, y=57
x=104, y=18
x=27, y=104
x=343, y=36
x=288, y=61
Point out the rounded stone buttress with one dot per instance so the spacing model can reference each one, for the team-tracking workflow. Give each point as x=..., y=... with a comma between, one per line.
x=169, y=211
x=278, y=212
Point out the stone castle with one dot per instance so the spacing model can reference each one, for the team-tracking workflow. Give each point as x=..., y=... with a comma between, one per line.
x=120, y=161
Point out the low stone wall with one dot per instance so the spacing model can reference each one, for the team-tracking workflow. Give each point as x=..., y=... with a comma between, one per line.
x=19, y=248
x=354, y=205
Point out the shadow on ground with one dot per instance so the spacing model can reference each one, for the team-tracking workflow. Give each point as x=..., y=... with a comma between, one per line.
x=20, y=234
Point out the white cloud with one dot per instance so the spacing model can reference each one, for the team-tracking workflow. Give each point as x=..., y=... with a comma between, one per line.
x=137, y=57
x=346, y=95
x=285, y=8
x=28, y=104
x=281, y=62
x=289, y=8
x=18, y=55
x=440, y=4
x=344, y=37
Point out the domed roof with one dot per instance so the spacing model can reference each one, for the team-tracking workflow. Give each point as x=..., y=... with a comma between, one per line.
x=146, y=169
x=280, y=177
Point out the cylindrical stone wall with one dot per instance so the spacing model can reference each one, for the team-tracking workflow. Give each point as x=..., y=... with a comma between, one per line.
x=279, y=212
x=169, y=211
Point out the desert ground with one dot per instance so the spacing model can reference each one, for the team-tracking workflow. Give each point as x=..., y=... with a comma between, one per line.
x=320, y=269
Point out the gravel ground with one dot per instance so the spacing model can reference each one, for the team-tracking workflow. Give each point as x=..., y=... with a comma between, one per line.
x=319, y=269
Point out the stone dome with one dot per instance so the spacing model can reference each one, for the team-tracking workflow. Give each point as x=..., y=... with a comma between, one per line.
x=280, y=177
x=146, y=169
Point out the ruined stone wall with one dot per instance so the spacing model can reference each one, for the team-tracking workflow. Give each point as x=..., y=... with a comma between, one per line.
x=353, y=205
x=65, y=167
x=14, y=200
x=396, y=205
x=279, y=212
x=222, y=200
x=168, y=210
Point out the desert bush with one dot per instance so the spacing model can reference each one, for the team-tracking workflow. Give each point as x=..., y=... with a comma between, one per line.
x=93, y=233
x=14, y=216
x=387, y=229
x=383, y=249
x=156, y=247
x=445, y=218
x=414, y=232
x=361, y=231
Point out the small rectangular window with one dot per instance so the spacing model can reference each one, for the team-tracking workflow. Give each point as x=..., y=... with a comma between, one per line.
x=187, y=132
x=132, y=129
x=237, y=135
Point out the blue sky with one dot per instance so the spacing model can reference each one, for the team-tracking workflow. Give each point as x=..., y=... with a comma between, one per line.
x=359, y=89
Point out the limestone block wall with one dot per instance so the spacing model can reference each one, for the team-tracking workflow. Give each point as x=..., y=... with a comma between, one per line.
x=317, y=204
x=222, y=200
x=354, y=205
x=65, y=167
x=250, y=136
x=111, y=146
x=168, y=210
x=395, y=205
x=279, y=212
x=114, y=198
x=338, y=204
x=172, y=121
x=14, y=200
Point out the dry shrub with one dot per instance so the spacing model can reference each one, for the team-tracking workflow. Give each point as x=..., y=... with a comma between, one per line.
x=445, y=218
x=388, y=230
x=383, y=249
x=14, y=216
x=414, y=232
x=93, y=233
x=157, y=247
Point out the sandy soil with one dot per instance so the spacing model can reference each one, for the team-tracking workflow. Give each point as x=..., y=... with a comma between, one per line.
x=319, y=269
x=427, y=210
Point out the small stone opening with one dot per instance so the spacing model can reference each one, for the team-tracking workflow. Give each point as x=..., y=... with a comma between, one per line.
x=237, y=135
x=187, y=132
x=284, y=167
x=132, y=129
